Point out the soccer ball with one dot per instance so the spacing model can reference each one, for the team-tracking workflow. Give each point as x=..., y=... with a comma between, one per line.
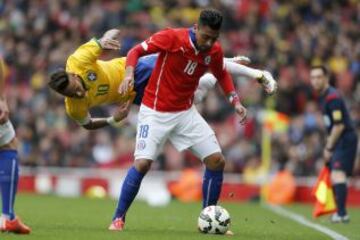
x=214, y=219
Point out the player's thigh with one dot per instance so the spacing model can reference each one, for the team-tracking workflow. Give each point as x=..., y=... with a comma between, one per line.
x=152, y=131
x=193, y=132
x=206, y=148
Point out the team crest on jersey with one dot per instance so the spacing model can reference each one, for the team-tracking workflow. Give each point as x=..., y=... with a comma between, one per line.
x=91, y=76
x=207, y=60
x=141, y=145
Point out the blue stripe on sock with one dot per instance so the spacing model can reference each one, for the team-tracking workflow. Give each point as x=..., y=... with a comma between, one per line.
x=13, y=186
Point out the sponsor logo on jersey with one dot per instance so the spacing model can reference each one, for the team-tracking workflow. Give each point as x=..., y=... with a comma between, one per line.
x=207, y=60
x=91, y=76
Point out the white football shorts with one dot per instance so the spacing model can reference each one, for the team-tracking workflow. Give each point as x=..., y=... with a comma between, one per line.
x=185, y=130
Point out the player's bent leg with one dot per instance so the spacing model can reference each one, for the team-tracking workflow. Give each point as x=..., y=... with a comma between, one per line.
x=209, y=152
x=129, y=190
x=339, y=180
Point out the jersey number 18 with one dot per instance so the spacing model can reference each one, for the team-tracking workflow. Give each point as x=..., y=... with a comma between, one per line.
x=190, y=67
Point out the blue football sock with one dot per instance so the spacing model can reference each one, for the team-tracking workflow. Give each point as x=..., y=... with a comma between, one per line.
x=128, y=193
x=340, y=190
x=211, y=187
x=9, y=176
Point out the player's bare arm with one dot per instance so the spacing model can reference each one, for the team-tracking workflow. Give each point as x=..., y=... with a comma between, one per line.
x=131, y=60
x=128, y=83
x=116, y=120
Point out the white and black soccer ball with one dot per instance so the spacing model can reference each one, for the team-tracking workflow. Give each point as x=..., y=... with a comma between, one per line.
x=214, y=219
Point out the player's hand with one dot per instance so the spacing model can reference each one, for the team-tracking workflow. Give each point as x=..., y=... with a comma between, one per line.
x=241, y=60
x=327, y=154
x=268, y=82
x=122, y=111
x=4, y=111
x=128, y=84
x=242, y=112
x=110, y=40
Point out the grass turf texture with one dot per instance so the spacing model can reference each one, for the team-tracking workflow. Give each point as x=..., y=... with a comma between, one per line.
x=81, y=218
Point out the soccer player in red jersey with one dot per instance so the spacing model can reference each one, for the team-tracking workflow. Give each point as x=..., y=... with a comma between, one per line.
x=167, y=110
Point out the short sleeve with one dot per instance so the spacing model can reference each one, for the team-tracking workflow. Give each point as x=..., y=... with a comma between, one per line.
x=86, y=54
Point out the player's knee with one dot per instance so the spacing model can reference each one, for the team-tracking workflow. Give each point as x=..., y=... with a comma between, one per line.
x=215, y=161
x=338, y=176
x=143, y=165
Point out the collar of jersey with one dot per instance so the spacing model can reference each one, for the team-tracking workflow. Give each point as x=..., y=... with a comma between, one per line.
x=193, y=40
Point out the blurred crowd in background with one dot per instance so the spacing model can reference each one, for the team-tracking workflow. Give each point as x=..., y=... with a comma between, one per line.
x=284, y=37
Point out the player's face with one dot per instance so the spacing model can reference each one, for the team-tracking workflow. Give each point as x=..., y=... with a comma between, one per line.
x=318, y=79
x=205, y=37
x=75, y=88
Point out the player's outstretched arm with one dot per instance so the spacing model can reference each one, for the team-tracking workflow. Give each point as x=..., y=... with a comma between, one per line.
x=217, y=67
x=159, y=42
x=4, y=110
x=117, y=120
x=89, y=52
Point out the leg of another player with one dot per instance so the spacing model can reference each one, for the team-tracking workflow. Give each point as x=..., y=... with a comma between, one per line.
x=129, y=190
x=213, y=178
x=8, y=182
x=9, y=176
x=339, y=180
x=206, y=83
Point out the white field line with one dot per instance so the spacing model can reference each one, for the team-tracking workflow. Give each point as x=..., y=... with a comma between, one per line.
x=302, y=220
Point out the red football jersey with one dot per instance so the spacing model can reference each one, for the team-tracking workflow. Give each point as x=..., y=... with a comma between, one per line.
x=178, y=69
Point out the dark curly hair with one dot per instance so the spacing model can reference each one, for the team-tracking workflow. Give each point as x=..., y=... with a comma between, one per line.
x=212, y=18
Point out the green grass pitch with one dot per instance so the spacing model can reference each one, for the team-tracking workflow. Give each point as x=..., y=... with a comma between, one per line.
x=80, y=218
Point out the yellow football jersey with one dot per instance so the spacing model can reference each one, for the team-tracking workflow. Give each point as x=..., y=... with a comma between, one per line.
x=101, y=78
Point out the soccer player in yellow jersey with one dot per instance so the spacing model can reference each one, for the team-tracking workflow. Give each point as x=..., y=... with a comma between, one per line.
x=88, y=82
